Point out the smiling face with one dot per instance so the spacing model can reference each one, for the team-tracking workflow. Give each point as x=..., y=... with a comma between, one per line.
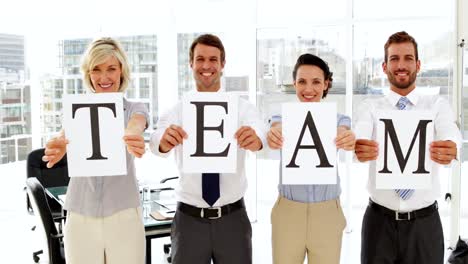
x=207, y=68
x=105, y=77
x=310, y=83
x=401, y=67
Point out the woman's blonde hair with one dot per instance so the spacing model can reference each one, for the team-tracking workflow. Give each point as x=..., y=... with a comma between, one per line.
x=97, y=53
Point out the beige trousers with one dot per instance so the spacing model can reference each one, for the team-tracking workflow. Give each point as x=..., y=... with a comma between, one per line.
x=312, y=228
x=115, y=239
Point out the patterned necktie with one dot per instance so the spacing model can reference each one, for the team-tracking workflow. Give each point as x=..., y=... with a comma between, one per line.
x=210, y=187
x=404, y=194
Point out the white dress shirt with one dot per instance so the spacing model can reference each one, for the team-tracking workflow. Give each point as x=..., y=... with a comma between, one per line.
x=445, y=128
x=232, y=185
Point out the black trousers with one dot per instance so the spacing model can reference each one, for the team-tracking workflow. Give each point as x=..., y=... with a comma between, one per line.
x=226, y=240
x=384, y=240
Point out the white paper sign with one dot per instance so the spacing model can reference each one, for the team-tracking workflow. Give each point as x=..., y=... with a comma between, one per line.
x=309, y=149
x=210, y=120
x=404, y=160
x=100, y=115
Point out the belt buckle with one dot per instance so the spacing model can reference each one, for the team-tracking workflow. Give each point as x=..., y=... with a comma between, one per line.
x=202, y=212
x=397, y=217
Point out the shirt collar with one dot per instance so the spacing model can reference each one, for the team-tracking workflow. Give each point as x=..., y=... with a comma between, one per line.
x=393, y=97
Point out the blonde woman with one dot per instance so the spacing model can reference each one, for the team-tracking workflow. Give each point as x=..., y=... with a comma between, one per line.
x=104, y=223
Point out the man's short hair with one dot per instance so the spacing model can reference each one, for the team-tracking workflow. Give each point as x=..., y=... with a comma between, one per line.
x=209, y=40
x=401, y=37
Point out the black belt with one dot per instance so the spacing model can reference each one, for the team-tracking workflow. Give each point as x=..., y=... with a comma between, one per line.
x=211, y=212
x=420, y=213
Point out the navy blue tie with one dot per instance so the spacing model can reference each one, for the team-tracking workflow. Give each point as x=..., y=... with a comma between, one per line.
x=210, y=187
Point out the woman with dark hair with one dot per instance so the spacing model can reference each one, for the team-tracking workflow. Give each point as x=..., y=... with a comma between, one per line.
x=308, y=218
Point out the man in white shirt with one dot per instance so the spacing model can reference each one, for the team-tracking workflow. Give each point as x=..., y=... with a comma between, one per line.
x=211, y=222
x=403, y=225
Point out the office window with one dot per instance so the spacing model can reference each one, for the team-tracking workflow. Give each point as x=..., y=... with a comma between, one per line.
x=58, y=83
x=58, y=92
x=58, y=106
x=47, y=106
x=7, y=151
x=70, y=86
x=130, y=91
x=14, y=95
x=57, y=88
x=79, y=86
x=144, y=87
x=186, y=83
x=24, y=147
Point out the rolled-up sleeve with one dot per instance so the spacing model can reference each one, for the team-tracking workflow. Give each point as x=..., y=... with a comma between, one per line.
x=343, y=120
x=140, y=109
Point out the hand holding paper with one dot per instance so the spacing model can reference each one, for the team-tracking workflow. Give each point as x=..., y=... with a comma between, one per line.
x=366, y=150
x=248, y=139
x=275, y=136
x=345, y=138
x=443, y=151
x=135, y=145
x=172, y=137
x=133, y=139
x=55, y=150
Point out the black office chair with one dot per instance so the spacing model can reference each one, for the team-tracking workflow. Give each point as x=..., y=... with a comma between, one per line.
x=43, y=213
x=53, y=177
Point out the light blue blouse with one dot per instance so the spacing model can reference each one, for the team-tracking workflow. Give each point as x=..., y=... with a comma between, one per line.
x=311, y=193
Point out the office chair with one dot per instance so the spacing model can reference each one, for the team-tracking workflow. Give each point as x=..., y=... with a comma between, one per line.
x=167, y=247
x=53, y=177
x=43, y=214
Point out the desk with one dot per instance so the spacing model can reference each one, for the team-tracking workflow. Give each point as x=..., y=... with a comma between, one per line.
x=153, y=228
